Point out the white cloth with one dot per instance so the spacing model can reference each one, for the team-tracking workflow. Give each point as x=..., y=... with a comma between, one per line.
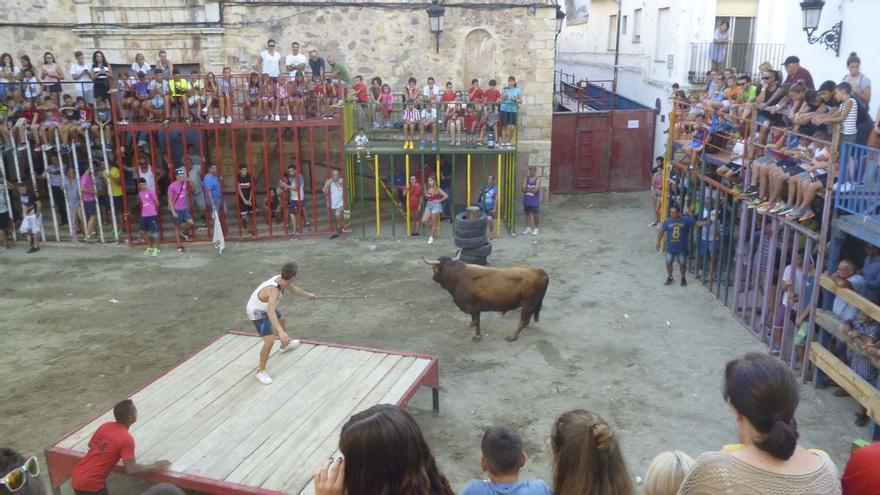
x=6, y=75
x=31, y=224
x=431, y=91
x=429, y=114
x=141, y=68
x=796, y=284
x=270, y=63
x=219, y=241
x=149, y=177
x=335, y=195
x=80, y=72
x=255, y=308
x=361, y=141
x=295, y=60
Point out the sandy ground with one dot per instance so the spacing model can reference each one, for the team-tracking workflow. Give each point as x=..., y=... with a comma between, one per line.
x=69, y=353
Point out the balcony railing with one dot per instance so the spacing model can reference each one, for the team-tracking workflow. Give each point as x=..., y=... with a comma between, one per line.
x=858, y=187
x=745, y=57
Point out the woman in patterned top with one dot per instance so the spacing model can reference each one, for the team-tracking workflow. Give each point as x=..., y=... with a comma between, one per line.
x=868, y=331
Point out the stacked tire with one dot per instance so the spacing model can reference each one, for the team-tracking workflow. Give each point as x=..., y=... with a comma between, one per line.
x=471, y=238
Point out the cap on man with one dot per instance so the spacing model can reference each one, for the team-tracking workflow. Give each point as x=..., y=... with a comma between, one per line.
x=797, y=73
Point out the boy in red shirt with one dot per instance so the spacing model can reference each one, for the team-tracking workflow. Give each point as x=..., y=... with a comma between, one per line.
x=476, y=95
x=110, y=443
x=492, y=96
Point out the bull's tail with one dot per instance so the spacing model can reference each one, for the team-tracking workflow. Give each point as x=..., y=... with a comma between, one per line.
x=541, y=291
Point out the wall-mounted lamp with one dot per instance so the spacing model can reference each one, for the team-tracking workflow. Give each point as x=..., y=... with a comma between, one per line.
x=560, y=16
x=812, y=10
x=435, y=20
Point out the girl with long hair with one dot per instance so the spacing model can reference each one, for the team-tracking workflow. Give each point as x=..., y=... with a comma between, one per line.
x=101, y=74
x=384, y=454
x=51, y=75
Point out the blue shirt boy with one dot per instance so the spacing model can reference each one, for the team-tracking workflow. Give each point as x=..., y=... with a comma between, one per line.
x=677, y=233
x=528, y=487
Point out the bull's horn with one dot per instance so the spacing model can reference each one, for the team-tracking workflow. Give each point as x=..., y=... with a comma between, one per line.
x=430, y=262
x=457, y=255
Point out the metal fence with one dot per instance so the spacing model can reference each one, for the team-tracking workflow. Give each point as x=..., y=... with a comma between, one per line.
x=858, y=192
x=745, y=57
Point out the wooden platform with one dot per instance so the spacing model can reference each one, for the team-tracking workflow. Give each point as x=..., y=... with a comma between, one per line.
x=225, y=433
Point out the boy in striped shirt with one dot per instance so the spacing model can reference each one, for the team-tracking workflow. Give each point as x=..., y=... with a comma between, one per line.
x=411, y=120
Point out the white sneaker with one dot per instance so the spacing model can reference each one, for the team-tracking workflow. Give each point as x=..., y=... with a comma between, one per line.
x=289, y=117
x=277, y=118
x=205, y=111
x=527, y=231
x=535, y=232
x=210, y=120
x=293, y=344
x=430, y=239
x=229, y=119
x=264, y=378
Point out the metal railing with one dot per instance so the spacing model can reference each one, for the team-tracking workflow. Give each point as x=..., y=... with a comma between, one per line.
x=745, y=57
x=582, y=95
x=858, y=190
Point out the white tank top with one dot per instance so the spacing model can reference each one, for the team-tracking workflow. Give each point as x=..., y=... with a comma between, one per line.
x=256, y=308
x=148, y=175
x=335, y=195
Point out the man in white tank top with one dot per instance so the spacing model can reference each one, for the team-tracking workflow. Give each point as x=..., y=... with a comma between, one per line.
x=262, y=310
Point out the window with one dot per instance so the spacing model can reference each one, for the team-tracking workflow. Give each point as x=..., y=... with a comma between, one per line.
x=637, y=25
x=623, y=25
x=612, y=32
x=663, y=37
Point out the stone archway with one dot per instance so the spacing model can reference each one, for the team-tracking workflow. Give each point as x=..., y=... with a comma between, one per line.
x=479, y=63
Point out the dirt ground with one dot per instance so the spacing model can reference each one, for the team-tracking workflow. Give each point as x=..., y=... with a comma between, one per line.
x=603, y=342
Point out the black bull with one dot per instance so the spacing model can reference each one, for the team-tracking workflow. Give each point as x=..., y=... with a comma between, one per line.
x=475, y=289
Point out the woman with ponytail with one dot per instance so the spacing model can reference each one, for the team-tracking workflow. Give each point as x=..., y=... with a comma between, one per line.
x=763, y=395
x=586, y=457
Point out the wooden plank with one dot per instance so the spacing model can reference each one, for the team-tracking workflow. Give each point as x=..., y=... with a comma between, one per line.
x=834, y=325
x=851, y=297
x=302, y=458
x=380, y=395
x=856, y=386
x=252, y=462
x=202, y=364
x=216, y=391
x=242, y=403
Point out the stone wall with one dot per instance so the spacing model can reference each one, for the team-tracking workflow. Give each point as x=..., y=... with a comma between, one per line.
x=378, y=37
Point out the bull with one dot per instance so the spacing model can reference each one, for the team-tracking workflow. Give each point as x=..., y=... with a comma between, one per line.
x=475, y=289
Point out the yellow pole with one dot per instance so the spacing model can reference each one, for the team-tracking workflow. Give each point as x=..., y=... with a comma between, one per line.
x=376, y=177
x=408, y=223
x=469, y=179
x=498, y=197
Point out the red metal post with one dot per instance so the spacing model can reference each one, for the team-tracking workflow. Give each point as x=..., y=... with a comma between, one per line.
x=312, y=177
x=158, y=190
x=126, y=213
x=281, y=169
x=265, y=180
x=301, y=213
x=220, y=175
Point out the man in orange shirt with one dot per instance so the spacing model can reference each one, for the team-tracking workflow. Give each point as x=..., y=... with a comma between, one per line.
x=110, y=443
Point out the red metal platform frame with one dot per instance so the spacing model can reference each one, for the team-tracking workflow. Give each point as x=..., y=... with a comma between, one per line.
x=61, y=461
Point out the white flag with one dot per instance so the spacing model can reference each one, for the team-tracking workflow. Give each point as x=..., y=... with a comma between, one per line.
x=219, y=242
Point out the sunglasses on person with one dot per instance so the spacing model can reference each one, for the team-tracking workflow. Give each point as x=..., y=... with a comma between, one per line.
x=16, y=479
x=272, y=46
x=765, y=78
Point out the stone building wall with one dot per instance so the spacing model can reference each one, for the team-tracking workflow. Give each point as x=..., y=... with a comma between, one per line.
x=379, y=37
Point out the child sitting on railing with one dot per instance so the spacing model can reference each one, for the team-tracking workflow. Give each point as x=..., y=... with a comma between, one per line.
x=698, y=139
x=812, y=180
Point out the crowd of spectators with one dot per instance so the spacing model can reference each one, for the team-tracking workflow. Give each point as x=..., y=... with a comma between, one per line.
x=383, y=451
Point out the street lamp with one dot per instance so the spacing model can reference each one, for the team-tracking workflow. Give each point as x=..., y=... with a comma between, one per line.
x=560, y=16
x=435, y=19
x=812, y=11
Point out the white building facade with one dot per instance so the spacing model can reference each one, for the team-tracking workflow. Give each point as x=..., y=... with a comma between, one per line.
x=667, y=41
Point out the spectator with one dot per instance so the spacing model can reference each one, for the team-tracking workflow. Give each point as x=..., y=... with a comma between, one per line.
x=164, y=65
x=101, y=75
x=383, y=451
x=316, y=64
x=489, y=204
x=503, y=457
x=296, y=61
x=667, y=472
x=149, y=224
x=866, y=331
x=51, y=75
x=847, y=276
x=56, y=187
x=657, y=189
x=5, y=214
x=270, y=59
x=677, y=229
x=90, y=203
x=178, y=202
x=360, y=96
x=411, y=120
x=861, y=84
x=871, y=272
x=214, y=192
x=159, y=94
x=455, y=121
x=386, y=106
x=430, y=92
x=414, y=192
x=718, y=49
x=376, y=107
x=476, y=96
x=434, y=198
x=20, y=476
x=9, y=76
x=860, y=476
x=532, y=200
x=110, y=443
x=586, y=457
x=294, y=184
x=140, y=64
x=71, y=188
x=764, y=395
x=334, y=192
x=792, y=282
x=511, y=98
x=245, y=186
x=339, y=70
x=179, y=90
x=113, y=176
x=492, y=96
x=796, y=73
x=226, y=95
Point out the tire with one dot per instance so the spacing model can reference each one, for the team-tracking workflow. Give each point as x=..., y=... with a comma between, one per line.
x=478, y=252
x=473, y=260
x=469, y=232
x=462, y=221
x=471, y=243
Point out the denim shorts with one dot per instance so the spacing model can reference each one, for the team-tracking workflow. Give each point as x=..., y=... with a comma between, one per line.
x=433, y=207
x=681, y=258
x=264, y=325
x=149, y=224
x=182, y=216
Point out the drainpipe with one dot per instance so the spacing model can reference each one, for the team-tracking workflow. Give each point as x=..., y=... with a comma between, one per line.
x=616, y=48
